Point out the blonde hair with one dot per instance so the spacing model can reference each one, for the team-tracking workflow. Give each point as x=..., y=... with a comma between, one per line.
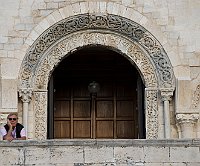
x=12, y=113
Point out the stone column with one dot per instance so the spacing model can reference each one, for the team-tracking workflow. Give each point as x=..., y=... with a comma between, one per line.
x=166, y=95
x=25, y=95
x=186, y=121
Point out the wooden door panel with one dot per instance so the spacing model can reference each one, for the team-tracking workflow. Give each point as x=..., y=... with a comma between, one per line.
x=61, y=129
x=82, y=129
x=105, y=109
x=125, y=108
x=106, y=90
x=112, y=112
x=80, y=90
x=81, y=109
x=125, y=90
x=125, y=129
x=62, y=109
x=104, y=129
x=62, y=91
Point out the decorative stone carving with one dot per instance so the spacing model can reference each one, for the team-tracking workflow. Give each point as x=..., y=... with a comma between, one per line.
x=151, y=113
x=115, y=32
x=166, y=93
x=144, y=65
x=40, y=107
x=59, y=51
x=109, y=22
x=190, y=118
x=25, y=95
x=196, y=96
x=3, y=119
x=186, y=121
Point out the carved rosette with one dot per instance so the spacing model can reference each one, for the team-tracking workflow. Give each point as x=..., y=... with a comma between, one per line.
x=40, y=107
x=151, y=113
x=189, y=118
x=25, y=95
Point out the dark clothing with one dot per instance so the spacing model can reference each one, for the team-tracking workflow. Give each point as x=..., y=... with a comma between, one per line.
x=19, y=127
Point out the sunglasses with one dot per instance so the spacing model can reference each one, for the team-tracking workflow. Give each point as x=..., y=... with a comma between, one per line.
x=12, y=118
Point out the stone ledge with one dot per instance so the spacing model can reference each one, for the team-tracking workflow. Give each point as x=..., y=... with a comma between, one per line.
x=104, y=142
x=73, y=152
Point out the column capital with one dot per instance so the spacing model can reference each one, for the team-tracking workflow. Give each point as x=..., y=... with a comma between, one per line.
x=190, y=118
x=186, y=121
x=25, y=94
x=166, y=93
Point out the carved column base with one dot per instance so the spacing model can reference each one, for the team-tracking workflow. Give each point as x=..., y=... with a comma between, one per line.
x=186, y=122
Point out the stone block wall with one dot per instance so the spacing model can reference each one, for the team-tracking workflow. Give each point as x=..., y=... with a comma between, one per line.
x=101, y=153
x=174, y=23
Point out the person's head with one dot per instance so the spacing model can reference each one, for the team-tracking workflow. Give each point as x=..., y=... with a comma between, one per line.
x=13, y=118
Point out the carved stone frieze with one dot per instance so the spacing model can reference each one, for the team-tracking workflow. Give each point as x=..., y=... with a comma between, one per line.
x=151, y=113
x=109, y=22
x=190, y=118
x=144, y=65
x=59, y=51
x=196, y=97
x=25, y=94
x=40, y=107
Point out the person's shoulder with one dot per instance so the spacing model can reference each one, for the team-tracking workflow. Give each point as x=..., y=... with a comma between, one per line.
x=2, y=128
x=20, y=125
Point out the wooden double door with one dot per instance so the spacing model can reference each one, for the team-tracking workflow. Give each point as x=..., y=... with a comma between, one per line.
x=111, y=113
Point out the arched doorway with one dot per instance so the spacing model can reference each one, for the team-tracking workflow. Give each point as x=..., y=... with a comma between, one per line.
x=134, y=41
x=115, y=111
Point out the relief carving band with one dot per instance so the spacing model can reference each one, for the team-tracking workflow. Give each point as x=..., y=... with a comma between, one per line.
x=195, y=99
x=40, y=115
x=189, y=118
x=152, y=113
x=118, y=24
x=54, y=55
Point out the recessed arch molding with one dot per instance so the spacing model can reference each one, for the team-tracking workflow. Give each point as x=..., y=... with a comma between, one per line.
x=114, y=23
x=119, y=33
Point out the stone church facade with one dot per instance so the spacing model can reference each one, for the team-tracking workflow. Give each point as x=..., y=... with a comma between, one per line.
x=160, y=39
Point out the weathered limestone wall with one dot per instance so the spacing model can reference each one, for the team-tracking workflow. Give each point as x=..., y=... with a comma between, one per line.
x=101, y=152
x=175, y=23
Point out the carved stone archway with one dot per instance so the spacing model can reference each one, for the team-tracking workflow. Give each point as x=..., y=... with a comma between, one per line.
x=115, y=32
